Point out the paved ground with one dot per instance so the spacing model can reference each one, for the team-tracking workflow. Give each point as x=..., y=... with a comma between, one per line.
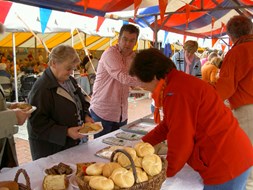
x=137, y=109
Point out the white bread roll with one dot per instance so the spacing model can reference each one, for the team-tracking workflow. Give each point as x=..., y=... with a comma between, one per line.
x=101, y=183
x=123, y=160
x=123, y=177
x=55, y=182
x=143, y=149
x=109, y=167
x=152, y=164
x=141, y=175
x=95, y=169
x=138, y=162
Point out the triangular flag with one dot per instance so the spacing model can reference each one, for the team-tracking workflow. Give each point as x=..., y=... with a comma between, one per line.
x=137, y=4
x=223, y=46
x=162, y=6
x=187, y=14
x=5, y=7
x=184, y=38
x=85, y=4
x=44, y=17
x=213, y=21
x=214, y=40
x=99, y=22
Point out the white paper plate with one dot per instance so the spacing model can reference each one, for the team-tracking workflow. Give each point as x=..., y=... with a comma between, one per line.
x=32, y=109
x=72, y=166
x=93, y=132
x=73, y=183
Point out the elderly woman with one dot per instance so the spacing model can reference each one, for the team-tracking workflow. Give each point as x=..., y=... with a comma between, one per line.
x=61, y=107
x=186, y=60
x=200, y=130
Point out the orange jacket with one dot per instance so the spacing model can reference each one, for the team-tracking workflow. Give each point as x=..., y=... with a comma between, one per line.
x=209, y=73
x=236, y=74
x=201, y=131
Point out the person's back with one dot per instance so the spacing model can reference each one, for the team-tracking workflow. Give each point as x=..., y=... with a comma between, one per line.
x=235, y=78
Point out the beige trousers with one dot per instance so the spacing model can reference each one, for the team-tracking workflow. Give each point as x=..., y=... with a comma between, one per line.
x=244, y=115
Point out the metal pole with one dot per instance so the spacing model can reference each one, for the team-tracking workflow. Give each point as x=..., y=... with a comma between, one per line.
x=15, y=66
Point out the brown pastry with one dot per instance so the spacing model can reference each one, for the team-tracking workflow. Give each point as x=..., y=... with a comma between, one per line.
x=90, y=127
x=9, y=185
x=23, y=105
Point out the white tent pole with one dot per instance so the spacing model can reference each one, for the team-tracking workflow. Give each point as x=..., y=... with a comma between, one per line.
x=72, y=38
x=15, y=65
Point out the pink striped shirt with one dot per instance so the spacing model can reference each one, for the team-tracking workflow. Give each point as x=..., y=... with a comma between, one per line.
x=111, y=88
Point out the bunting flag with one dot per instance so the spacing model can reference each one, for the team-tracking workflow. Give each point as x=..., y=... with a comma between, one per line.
x=187, y=14
x=223, y=46
x=223, y=26
x=184, y=38
x=5, y=7
x=214, y=40
x=44, y=17
x=137, y=4
x=162, y=6
x=99, y=22
x=85, y=4
x=213, y=21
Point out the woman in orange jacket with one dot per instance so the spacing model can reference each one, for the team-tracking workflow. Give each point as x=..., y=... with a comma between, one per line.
x=200, y=130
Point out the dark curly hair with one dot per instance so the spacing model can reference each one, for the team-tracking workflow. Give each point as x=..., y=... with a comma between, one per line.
x=150, y=63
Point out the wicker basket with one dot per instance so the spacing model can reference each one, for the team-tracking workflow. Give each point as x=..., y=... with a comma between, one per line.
x=153, y=183
x=27, y=186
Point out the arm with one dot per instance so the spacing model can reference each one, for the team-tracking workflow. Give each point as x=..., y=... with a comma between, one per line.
x=118, y=69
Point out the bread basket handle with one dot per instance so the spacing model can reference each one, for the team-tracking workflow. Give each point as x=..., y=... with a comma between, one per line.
x=28, y=184
x=129, y=157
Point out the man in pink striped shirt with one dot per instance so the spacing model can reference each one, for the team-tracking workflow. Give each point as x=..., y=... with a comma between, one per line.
x=109, y=102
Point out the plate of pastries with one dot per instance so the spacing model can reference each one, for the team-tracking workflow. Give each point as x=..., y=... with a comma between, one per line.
x=89, y=128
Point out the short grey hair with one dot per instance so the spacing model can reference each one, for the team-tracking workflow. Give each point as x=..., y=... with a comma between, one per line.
x=62, y=53
x=239, y=26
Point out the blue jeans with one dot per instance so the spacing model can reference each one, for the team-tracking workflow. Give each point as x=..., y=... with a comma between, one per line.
x=238, y=183
x=109, y=126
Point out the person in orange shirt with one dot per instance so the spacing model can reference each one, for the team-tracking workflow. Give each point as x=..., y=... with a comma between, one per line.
x=235, y=82
x=200, y=130
x=210, y=70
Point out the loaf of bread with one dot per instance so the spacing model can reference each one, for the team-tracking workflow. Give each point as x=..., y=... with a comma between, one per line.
x=95, y=169
x=143, y=149
x=109, y=168
x=122, y=177
x=152, y=164
x=141, y=175
x=138, y=162
x=123, y=160
x=55, y=182
x=9, y=185
x=101, y=183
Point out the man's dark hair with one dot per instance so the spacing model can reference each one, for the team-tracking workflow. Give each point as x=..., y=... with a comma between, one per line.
x=129, y=28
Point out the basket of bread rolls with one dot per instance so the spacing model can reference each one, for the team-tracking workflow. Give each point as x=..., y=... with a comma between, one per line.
x=15, y=185
x=130, y=168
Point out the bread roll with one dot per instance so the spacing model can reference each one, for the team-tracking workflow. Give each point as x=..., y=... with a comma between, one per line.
x=123, y=177
x=55, y=182
x=123, y=160
x=141, y=175
x=95, y=169
x=152, y=164
x=143, y=149
x=101, y=183
x=109, y=167
x=9, y=185
x=138, y=162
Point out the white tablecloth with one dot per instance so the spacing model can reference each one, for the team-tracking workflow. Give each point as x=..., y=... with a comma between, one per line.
x=186, y=179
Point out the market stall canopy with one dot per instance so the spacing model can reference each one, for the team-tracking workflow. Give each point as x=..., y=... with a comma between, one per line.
x=200, y=18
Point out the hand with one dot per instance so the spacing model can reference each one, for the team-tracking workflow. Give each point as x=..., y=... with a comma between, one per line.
x=21, y=116
x=88, y=119
x=73, y=132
